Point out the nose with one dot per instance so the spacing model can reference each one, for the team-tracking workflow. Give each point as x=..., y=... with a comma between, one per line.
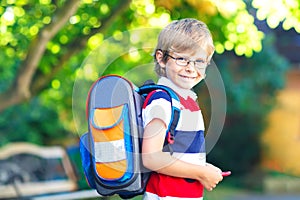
x=190, y=67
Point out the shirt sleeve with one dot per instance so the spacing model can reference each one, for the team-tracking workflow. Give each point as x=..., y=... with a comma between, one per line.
x=157, y=105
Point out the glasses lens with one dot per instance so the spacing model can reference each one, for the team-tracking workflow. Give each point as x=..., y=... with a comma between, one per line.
x=181, y=61
x=200, y=65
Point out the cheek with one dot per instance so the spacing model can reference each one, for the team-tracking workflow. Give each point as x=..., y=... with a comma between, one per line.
x=172, y=73
x=169, y=69
x=202, y=72
x=173, y=68
x=169, y=73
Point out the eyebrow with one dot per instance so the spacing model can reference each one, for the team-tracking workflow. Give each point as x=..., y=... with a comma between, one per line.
x=187, y=58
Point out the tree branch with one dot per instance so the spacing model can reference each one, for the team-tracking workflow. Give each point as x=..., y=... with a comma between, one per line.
x=19, y=90
x=77, y=45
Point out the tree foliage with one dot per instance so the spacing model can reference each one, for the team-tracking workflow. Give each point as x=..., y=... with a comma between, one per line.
x=276, y=12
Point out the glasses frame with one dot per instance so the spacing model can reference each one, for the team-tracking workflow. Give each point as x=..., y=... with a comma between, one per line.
x=179, y=61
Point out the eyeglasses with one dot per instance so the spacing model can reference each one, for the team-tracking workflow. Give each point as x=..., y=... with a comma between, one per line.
x=198, y=64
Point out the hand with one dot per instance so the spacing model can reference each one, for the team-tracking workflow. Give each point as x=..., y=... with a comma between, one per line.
x=210, y=176
x=225, y=173
x=217, y=169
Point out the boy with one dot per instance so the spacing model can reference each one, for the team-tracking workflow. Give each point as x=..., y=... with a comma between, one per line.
x=184, y=50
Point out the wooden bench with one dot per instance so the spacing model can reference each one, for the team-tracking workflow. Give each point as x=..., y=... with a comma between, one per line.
x=30, y=170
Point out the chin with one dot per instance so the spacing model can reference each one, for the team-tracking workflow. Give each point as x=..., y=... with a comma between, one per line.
x=187, y=86
x=191, y=85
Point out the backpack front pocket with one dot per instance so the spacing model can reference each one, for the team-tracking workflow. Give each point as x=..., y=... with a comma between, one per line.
x=112, y=143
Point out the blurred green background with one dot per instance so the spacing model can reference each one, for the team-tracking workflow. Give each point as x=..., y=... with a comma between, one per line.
x=44, y=46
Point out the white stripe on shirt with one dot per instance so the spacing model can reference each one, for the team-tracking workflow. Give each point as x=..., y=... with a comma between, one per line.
x=190, y=121
x=158, y=108
x=193, y=158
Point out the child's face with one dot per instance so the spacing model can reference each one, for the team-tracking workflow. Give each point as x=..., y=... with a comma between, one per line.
x=186, y=69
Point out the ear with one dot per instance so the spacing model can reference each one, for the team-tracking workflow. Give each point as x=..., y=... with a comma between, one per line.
x=159, y=55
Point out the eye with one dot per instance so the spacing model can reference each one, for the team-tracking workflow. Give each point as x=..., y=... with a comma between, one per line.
x=182, y=59
x=200, y=61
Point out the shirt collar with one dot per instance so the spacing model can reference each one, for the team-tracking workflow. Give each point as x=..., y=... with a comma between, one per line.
x=185, y=93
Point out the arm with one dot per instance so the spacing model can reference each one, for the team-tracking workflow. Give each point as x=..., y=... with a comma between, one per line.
x=162, y=162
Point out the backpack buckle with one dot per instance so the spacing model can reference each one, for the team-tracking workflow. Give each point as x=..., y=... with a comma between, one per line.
x=170, y=138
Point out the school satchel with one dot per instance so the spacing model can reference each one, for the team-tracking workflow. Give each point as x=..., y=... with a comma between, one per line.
x=111, y=149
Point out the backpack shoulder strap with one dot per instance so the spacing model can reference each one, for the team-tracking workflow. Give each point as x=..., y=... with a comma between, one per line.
x=150, y=86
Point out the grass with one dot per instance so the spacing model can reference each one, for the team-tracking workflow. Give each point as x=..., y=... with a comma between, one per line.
x=223, y=193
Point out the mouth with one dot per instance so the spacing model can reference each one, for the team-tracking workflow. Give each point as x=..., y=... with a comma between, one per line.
x=188, y=77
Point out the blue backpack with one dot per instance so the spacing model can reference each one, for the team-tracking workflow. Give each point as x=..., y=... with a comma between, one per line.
x=111, y=149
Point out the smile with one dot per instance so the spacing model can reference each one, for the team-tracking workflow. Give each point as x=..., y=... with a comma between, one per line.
x=187, y=77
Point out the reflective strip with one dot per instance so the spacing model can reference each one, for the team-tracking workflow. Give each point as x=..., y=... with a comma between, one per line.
x=112, y=151
x=193, y=158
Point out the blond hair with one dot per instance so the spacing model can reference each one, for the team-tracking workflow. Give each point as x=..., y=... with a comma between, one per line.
x=182, y=35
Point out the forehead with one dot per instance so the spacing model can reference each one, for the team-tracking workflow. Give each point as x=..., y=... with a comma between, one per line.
x=190, y=47
x=192, y=54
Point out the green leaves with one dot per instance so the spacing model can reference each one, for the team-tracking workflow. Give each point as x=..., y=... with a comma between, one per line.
x=275, y=12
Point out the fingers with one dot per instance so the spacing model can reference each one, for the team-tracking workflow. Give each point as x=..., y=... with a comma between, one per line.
x=212, y=178
x=214, y=184
x=211, y=188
